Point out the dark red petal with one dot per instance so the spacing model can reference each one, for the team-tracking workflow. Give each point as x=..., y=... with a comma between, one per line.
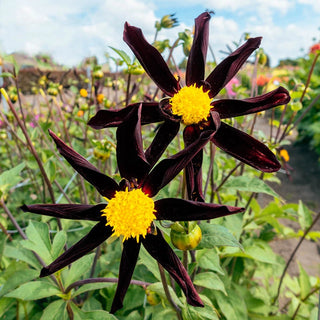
x=128, y=262
x=151, y=60
x=187, y=210
x=105, y=185
x=132, y=162
x=67, y=211
x=193, y=170
x=245, y=148
x=159, y=249
x=197, y=57
x=99, y=233
x=167, y=169
x=228, y=108
x=113, y=118
x=163, y=137
x=229, y=67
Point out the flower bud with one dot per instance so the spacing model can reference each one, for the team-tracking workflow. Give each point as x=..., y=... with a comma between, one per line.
x=185, y=238
x=167, y=22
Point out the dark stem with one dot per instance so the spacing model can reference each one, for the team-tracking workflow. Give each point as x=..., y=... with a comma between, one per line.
x=167, y=292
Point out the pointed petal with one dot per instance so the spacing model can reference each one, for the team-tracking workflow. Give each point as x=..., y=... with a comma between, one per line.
x=128, y=262
x=67, y=211
x=197, y=57
x=167, y=169
x=113, y=118
x=151, y=60
x=193, y=170
x=228, y=108
x=245, y=148
x=99, y=233
x=159, y=249
x=167, y=131
x=105, y=185
x=228, y=68
x=187, y=210
x=132, y=162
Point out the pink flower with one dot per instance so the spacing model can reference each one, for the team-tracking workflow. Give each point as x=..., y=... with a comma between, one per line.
x=234, y=82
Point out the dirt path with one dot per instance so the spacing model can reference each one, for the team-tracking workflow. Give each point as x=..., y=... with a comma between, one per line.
x=304, y=185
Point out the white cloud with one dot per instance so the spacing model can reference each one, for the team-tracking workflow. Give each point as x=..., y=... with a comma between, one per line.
x=72, y=30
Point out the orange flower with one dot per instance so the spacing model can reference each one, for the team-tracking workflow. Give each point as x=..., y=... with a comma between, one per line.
x=262, y=80
x=315, y=48
x=100, y=97
x=83, y=93
x=284, y=155
x=80, y=113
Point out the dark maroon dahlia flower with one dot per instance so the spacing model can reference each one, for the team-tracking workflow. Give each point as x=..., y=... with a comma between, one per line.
x=130, y=209
x=194, y=104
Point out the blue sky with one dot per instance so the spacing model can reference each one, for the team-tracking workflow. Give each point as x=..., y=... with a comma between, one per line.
x=70, y=30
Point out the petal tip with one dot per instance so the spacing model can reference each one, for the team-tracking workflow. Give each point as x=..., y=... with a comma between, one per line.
x=45, y=272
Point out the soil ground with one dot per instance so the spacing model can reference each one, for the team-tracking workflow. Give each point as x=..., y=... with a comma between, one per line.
x=304, y=185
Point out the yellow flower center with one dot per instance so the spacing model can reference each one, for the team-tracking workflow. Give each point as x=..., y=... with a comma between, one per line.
x=129, y=213
x=192, y=104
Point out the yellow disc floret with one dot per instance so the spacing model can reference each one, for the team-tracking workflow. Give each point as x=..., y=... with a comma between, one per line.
x=129, y=213
x=192, y=104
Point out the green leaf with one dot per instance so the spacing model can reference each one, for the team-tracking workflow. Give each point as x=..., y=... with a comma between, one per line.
x=79, y=268
x=249, y=184
x=33, y=291
x=38, y=240
x=91, y=287
x=304, y=216
x=55, y=311
x=21, y=254
x=209, y=260
x=17, y=278
x=209, y=280
x=6, y=75
x=216, y=235
x=91, y=315
x=149, y=262
x=3, y=240
x=158, y=288
x=5, y=305
x=304, y=281
x=123, y=55
x=50, y=168
x=58, y=243
x=10, y=178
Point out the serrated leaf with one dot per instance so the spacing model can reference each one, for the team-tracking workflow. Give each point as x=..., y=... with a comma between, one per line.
x=10, y=178
x=33, y=291
x=216, y=235
x=304, y=216
x=55, y=311
x=304, y=281
x=209, y=280
x=38, y=240
x=209, y=260
x=79, y=268
x=21, y=254
x=91, y=315
x=17, y=278
x=123, y=55
x=249, y=184
x=58, y=243
x=91, y=287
